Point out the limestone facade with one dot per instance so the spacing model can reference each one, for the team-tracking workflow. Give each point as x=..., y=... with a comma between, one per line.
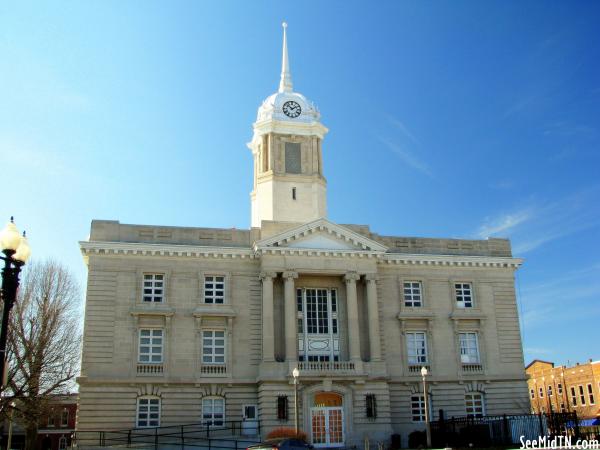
x=259, y=317
x=186, y=325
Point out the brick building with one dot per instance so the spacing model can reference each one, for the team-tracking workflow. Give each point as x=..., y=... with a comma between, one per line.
x=54, y=430
x=555, y=389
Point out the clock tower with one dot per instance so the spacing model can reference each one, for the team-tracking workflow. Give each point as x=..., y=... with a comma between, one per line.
x=289, y=185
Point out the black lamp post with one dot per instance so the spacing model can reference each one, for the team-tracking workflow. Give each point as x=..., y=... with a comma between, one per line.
x=16, y=252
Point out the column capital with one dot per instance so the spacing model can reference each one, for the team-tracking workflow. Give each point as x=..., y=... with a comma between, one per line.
x=351, y=276
x=371, y=277
x=264, y=275
x=290, y=274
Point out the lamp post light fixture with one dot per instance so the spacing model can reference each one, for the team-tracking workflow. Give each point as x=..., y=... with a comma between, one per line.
x=296, y=374
x=424, y=374
x=12, y=406
x=16, y=252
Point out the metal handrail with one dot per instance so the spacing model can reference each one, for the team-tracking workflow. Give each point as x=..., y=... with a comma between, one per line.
x=193, y=434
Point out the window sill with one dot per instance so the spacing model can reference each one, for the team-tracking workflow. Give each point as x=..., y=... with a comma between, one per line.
x=214, y=310
x=466, y=313
x=415, y=313
x=159, y=309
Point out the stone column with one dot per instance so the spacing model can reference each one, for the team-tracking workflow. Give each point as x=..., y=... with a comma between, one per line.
x=373, y=311
x=352, y=305
x=268, y=334
x=291, y=335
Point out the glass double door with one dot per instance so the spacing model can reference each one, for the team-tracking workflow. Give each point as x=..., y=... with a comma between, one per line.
x=327, y=426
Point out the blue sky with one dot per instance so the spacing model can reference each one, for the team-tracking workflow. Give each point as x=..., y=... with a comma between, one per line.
x=447, y=119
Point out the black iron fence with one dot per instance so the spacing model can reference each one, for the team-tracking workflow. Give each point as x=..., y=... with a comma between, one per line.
x=230, y=435
x=488, y=431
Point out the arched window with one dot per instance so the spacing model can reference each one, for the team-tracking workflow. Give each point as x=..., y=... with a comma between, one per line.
x=62, y=443
x=213, y=411
x=475, y=404
x=148, y=412
x=64, y=418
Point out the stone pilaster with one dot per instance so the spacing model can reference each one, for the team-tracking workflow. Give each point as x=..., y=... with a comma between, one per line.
x=291, y=335
x=352, y=305
x=268, y=333
x=373, y=311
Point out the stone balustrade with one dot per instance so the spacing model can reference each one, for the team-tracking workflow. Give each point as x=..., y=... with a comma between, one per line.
x=150, y=369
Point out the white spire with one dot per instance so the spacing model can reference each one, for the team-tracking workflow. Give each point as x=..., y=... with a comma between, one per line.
x=285, y=85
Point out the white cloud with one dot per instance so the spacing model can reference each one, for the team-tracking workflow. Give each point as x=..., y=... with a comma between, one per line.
x=504, y=223
x=403, y=128
x=535, y=225
x=406, y=156
x=538, y=351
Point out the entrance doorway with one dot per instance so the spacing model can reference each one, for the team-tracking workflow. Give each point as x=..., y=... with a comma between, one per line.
x=327, y=420
x=249, y=420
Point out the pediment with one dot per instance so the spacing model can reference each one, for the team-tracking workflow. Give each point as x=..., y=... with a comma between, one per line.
x=322, y=234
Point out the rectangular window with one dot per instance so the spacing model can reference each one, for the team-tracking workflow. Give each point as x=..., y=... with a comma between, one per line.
x=292, y=158
x=550, y=394
x=282, y=407
x=213, y=411
x=541, y=391
x=154, y=287
x=316, y=311
x=464, y=295
x=559, y=388
x=581, y=395
x=371, y=403
x=532, y=393
x=469, y=349
x=64, y=418
x=51, y=419
x=591, y=394
x=412, y=294
x=214, y=289
x=213, y=347
x=474, y=404
x=417, y=403
x=151, y=346
x=562, y=407
x=148, y=412
x=317, y=314
x=573, y=396
x=416, y=348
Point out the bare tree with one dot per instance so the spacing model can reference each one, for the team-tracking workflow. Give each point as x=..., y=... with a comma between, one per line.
x=44, y=341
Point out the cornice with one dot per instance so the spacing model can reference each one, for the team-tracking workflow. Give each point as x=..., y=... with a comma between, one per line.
x=144, y=249
x=452, y=260
x=106, y=248
x=312, y=128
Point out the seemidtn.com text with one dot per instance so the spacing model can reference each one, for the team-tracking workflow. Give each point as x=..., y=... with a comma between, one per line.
x=559, y=442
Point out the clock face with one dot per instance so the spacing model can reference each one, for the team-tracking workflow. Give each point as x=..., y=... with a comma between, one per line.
x=291, y=109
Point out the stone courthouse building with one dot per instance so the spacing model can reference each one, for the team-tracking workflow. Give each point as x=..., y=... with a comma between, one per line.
x=189, y=324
